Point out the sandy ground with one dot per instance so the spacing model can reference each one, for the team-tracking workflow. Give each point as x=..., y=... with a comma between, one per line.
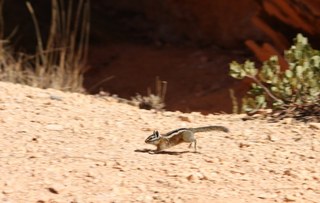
x=67, y=147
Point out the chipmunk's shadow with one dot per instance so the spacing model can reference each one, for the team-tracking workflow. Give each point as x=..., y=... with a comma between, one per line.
x=153, y=152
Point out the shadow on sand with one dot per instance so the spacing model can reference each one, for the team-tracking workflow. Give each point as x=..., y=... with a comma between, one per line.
x=150, y=151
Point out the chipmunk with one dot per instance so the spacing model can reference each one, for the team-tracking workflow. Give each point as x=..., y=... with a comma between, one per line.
x=178, y=136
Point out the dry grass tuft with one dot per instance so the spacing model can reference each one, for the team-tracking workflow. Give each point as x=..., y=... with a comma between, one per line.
x=152, y=101
x=61, y=62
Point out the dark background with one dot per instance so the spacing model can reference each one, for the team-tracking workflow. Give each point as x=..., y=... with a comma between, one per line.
x=187, y=43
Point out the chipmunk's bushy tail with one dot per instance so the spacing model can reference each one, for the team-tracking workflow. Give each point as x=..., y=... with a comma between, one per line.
x=210, y=128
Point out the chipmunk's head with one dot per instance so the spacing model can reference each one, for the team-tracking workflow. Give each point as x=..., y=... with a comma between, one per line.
x=154, y=138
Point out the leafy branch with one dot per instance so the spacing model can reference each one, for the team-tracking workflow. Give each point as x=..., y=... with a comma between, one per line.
x=298, y=85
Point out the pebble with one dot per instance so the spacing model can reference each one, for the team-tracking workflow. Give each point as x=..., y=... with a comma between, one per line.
x=289, y=198
x=184, y=118
x=196, y=176
x=54, y=127
x=7, y=191
x=272, y=138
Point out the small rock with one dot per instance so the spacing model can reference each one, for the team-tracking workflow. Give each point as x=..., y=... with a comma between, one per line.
x=7, y=191
x=118, y=166
x=296, y=139
x=184, y=118
x=52, y=190
x=243, y=145
x=55, y=97
x=287, y=172
x=267, y=195
x=289, y=198
x=21, y=131
x=54, y=127
x=272, y=138
x=196, y=176
x=209, y=160
x=315, y=126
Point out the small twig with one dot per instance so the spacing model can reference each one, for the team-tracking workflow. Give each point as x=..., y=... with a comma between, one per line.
x=164, y=90
x=264, y=88
x=101, y=82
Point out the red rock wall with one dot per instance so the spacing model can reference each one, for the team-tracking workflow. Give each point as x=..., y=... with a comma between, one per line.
x=199, y=21
x=224, y=23
x=221, y=22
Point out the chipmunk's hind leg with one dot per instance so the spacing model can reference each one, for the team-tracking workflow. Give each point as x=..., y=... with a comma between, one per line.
x=195, y=145
x=188, y=136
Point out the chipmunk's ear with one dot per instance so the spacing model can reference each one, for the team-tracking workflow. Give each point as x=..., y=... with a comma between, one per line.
x=156, y=133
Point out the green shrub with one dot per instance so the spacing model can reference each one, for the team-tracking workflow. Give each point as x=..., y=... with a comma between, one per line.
x=299, y=85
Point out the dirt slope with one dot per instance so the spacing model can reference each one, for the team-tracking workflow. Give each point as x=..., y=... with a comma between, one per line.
x=67, y=147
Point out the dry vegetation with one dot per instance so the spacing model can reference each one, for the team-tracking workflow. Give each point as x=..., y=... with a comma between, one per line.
x=61, y=61
x=152, y=101
x=293, y=92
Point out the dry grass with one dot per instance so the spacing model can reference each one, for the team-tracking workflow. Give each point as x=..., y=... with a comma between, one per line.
x=152, y=101
x=13, y=69
x=59, y=63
